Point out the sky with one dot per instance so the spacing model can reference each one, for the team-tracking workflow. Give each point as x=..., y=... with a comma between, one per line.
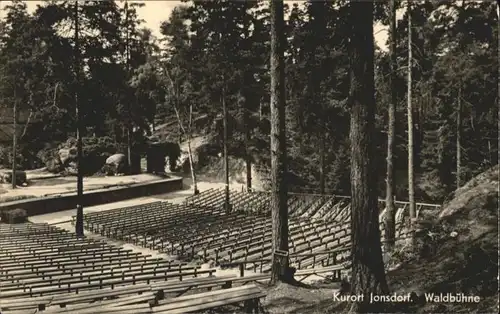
x=156, y=11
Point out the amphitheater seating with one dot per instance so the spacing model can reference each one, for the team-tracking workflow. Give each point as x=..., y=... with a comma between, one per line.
x=49, y=269
x=140, y=298
x=200, y=228
x=44, y=269
x=40, y=260
x=206, y=231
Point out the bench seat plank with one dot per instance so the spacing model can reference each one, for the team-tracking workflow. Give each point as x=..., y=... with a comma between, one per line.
x=211, y=304
x=26, y=311
x=194, y=282
x=256, y=277
x=120, y=302
x=86, y=296
x=24, y=303
x=312, y=271
x=209, y=300
x=130, y=309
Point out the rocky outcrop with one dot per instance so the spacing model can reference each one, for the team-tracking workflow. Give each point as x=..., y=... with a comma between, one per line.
x=460, y=252
x=63, y=158
x=67, y=154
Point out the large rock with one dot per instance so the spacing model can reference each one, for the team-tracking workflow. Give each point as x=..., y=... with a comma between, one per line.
x=72, y=168
x=459, y=253
x=116, y=164
x=67, y=154
x=6, y=177
x=54, y=165
x=116, y=159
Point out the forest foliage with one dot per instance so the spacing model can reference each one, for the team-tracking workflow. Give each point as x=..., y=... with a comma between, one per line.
x=206, y=45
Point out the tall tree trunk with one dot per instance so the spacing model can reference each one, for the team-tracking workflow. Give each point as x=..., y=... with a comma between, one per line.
x=459, y=135
x=322, y=148
x=191, y=166
x=79, y=149
x=261, y=114
x=279, y=192
x=129, y=113
x=188, y=134
x=129, y=148
x=316, y=75
x=248, y=155
x=227, y=203
x=498, y=87
x=390, y=214
x=248, y=161
x=190, y=152
x=368, y=274
x=411, y=179
x=417, y=131
x=14, y=141
x=243, y=105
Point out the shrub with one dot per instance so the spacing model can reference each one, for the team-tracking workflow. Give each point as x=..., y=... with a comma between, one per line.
x=6, y=157
x=14, y=216
x=21, y=178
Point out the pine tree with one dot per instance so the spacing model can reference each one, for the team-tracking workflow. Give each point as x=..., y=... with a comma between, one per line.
x=390, y=214
x=368, y=274
x=279, y=194
x=411, y=179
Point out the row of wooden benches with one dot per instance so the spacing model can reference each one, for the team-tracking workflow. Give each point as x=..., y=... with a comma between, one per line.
x=136, y=298
x=43, y=256
x=252, y=202
x=327, y=207
x=155, y=297
x=193, y=230
x=41, y=259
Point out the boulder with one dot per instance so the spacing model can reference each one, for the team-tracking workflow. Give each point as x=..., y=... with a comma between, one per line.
x=118, y=162
x=54, y=165
x=116, y=159
x=67, y=154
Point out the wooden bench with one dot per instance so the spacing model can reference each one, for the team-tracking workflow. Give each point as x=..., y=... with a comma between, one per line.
x=249, y=294
x=65, y=299
x=181, y=287
x=121, y=301
x=335, y=269
x=77, y=284
x=26, y=311
x=142, y=308
x=25, y=303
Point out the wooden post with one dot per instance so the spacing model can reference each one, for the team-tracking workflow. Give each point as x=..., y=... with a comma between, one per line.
x=242, y=269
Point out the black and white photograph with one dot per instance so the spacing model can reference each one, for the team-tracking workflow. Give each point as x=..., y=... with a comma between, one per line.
x=249, y=156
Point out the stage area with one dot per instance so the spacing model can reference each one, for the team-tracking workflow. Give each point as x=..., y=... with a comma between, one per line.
x=41, y=184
